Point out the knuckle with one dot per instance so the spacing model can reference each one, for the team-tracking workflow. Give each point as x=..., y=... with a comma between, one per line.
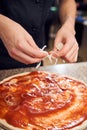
x=19, y=45
x=76, y=44
x=78, y=47
x=12, y=52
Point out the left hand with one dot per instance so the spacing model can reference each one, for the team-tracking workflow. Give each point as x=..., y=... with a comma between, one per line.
x=69, y=52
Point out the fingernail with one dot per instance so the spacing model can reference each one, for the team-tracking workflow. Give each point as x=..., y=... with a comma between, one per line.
x=59, y=46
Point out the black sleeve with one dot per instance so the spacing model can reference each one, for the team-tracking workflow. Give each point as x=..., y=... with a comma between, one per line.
x=0, y=8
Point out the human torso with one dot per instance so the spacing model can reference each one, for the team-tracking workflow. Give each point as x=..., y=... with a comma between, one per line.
x=31, y=14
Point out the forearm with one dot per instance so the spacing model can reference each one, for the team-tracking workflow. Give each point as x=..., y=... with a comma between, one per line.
x=5, y=22
x=67, y=13
x=1, y=24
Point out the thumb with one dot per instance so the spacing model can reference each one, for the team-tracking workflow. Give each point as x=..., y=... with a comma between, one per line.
x=58, y=46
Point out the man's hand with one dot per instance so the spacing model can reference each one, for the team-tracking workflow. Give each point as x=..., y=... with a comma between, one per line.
x=66, y=34
x=69, y=51
x=20, y=45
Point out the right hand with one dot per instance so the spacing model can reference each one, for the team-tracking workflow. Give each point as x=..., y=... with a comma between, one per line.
x=19, y=43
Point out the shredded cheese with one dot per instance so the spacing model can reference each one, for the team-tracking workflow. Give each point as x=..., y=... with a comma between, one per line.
x=50, y=57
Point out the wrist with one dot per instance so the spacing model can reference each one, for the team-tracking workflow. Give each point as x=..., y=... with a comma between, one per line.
x=3, y=22
x=70, y=25
x=1, y=19
x=6, y=24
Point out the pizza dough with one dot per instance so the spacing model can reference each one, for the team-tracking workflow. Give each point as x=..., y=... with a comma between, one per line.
x=43, y=101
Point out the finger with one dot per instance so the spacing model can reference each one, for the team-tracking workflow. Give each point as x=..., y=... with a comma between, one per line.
x=68, y=54
x=61, y=48
x=30, y=51
x=71, y=55
x=57, y=47
x=66, y=48
x=54, y=53
x=23, y=58
x=73, y=58
x=69, y=46
x=57, y=44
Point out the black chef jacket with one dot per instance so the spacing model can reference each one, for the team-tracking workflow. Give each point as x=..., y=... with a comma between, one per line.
x=32, y=15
